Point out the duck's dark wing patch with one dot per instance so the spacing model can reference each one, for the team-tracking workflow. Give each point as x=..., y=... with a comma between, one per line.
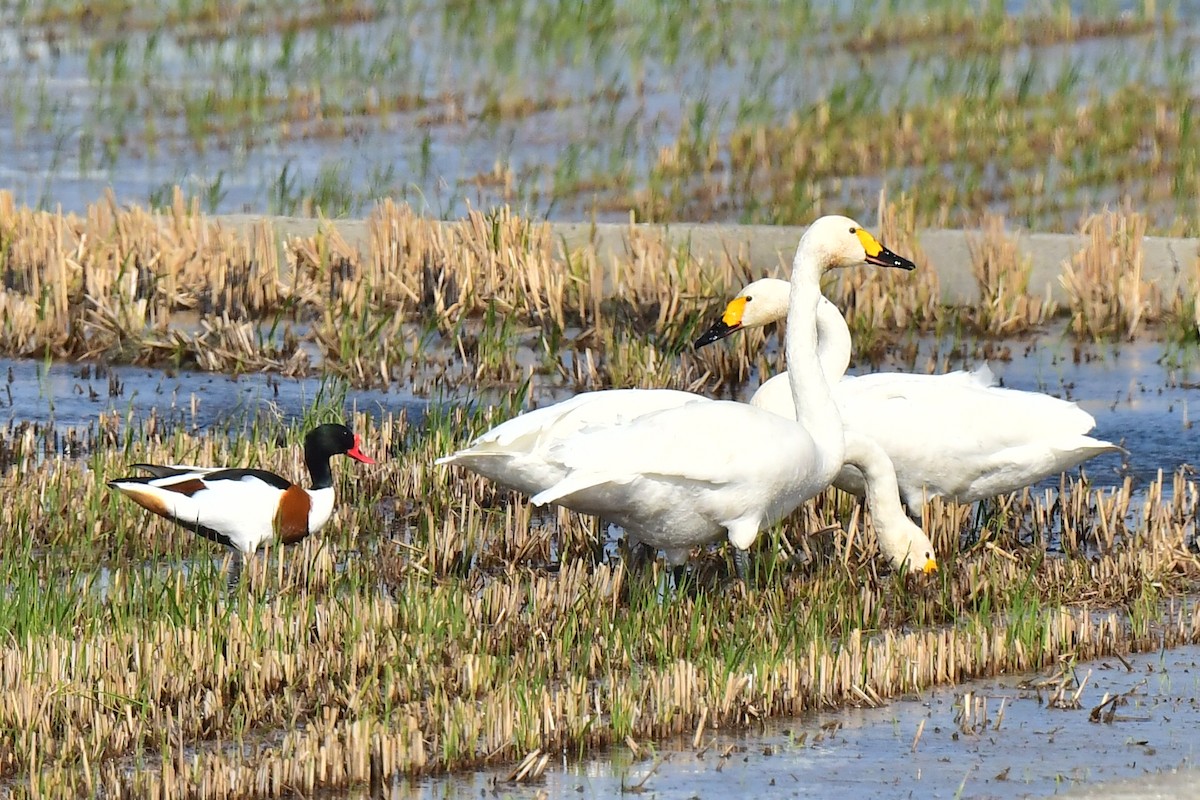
x=207, y=533
x=188, y=487
x=291, y=520
x=278, y=481
x=160, y=471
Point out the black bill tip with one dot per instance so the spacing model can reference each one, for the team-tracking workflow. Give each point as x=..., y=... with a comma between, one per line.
x=717, y=332
x=886, y=258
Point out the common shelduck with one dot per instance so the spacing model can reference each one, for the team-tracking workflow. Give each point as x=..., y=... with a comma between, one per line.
x=244, y=509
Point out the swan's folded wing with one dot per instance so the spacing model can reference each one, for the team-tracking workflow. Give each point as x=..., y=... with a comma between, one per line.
x=544, y=426
x=710, y=443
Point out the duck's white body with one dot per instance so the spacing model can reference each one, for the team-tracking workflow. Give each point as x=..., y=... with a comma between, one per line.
x=245, y=509
x=694, y=470
x=957, y=435
x=241, y=509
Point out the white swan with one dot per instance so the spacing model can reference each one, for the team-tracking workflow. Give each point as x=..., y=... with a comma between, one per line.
x=515, y=452
x=956, y=435
x=695, y=472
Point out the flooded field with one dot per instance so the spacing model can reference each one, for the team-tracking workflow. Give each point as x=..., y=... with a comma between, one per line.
x=442, y=637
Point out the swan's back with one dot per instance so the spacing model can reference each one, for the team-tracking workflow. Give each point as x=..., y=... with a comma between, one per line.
x=959, y=411
x=513, y=453
x=669, y=474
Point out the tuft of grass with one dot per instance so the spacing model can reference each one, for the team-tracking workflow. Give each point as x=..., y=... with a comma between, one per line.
x=1107, y=295
x=1006, y=303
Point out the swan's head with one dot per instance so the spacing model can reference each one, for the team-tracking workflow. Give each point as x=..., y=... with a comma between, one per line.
x=760, y=303
x=914, y=553
x=835, y=241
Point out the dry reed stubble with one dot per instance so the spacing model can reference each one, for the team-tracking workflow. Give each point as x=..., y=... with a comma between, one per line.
x=881, y=300
x=1107, y=294
x=1002, y=269
x=122, y=284
x=453, y=664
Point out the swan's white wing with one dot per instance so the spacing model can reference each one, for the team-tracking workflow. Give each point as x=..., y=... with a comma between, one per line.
x=952, y=435
x=543, y=426
x=956, y=410
x=514, y=452
x=718, y=443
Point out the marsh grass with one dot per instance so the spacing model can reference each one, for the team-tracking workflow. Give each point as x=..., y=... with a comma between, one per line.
x=1006, y=303
x=491, y=300
x=439, y=622
x=1108, y=296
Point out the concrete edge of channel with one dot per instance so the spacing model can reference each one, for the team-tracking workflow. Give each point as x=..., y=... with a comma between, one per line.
x=768, y=249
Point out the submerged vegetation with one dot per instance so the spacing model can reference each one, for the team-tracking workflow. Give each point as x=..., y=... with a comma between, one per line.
x=576, y=110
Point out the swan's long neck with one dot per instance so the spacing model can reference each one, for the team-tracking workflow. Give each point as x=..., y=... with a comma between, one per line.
x=833, y=341
x=896, y=532
x=815, y=408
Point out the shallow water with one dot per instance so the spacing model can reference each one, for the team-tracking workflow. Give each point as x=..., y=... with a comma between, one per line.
x=1138, y=397
x=75, y=395
x=1016, y=746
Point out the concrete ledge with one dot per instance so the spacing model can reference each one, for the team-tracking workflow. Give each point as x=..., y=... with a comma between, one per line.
x=768, y=249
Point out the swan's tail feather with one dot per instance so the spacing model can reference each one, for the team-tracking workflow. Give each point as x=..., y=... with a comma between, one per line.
x=569, y=485
x=1085, y=449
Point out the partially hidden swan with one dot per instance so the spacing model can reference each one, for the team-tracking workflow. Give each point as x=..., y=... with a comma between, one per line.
x=956, y=435
x=901, y=540
x=694, y=470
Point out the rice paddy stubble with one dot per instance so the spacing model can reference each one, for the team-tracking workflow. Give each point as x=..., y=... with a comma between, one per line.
x=491, y=299
x=448, y=631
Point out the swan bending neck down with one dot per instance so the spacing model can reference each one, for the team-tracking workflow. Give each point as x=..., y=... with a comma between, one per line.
x=901, y=540
x=694, y=474
x=957, y=435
